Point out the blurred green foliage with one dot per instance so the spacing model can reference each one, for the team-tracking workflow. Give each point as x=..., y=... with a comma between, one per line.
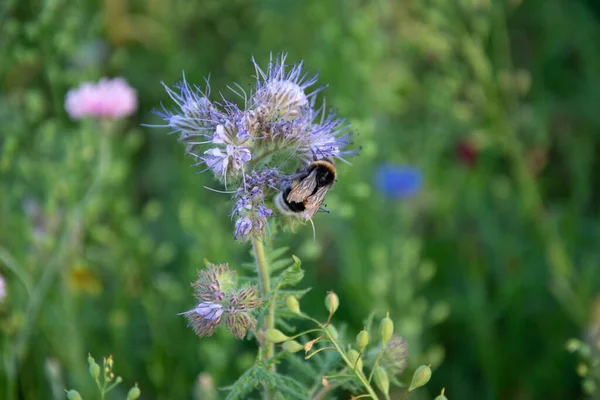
x=486, y=273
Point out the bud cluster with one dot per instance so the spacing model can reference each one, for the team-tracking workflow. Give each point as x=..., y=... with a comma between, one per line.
x=252, y=147
x=221, y=299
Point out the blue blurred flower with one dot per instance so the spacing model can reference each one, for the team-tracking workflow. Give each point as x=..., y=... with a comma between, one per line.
x=398, y=181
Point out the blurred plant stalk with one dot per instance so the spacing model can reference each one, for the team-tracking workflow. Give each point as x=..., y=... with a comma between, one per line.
x=39, y=291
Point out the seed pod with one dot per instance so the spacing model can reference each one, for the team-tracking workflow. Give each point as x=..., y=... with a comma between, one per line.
x=332, y=331
x=362, y=339
x=354, y=357
x=441, y=396
x=291, y=346
x=381, y=380
x=275, y=336
x=292, y=304
x=420, y=377
x=134, y=393
x=332, y=302
x=94, y=370
x=73, y=395
x=387, y=329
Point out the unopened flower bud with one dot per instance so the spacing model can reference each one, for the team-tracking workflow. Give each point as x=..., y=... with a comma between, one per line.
x=441, y=396
x=291, y=346
x=354, y=357
x=292, y=304
x=332, y=302
x=420, y=377
x=332, y=331
x=324, y=382
x=134, y=393
x=275, y=336
x=73, y=395
x=362, y=339
x=381, y=380
x=387, y=329
x=94, y=370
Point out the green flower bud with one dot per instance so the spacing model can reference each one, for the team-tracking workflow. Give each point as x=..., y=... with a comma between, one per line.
x=94, y=370
x=73, y=395
x=330, y=329
x=362, y=339
x=441, y=396
x=387, y=329
x=381, y=380
x=291, y=346
x=134, y=393
x=275, y=336
x=354, y=357
x=332, y=302
x=292, y=304
x=90, y=359
x=420, y=377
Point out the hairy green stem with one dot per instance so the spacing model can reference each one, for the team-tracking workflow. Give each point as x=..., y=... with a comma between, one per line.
x=262, y=268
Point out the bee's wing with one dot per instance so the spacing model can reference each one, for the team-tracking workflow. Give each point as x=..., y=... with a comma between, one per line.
x=304, y=188
x=313, y=203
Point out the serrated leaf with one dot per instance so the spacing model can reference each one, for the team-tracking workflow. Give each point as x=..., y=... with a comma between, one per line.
x=298, y=293
x=291, y=276
x=301, y=366
x=274, y=255
x=248, y=266
x=290, y=388
x=245, y=385
x=279, y=264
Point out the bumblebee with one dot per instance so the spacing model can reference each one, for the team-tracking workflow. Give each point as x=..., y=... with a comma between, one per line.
x=304, y=196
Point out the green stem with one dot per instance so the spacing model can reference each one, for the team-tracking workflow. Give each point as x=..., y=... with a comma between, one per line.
x=38, y=295
x=359, y=374
x=262, y=268
x=13, y=266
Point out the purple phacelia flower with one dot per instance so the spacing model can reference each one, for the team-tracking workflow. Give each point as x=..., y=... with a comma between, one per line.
x=205, y=318
x=398, y=181
x=220, y=299
x=275, y=127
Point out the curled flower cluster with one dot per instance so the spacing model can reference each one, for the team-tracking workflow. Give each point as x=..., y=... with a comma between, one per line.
x=222, y=300
x=395, y=354
x=277, y=130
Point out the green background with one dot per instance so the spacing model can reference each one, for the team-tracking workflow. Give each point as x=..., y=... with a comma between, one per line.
x=487, y=272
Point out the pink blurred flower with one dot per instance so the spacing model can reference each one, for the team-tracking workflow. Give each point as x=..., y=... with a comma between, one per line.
x=2, y=288
x=112, y=98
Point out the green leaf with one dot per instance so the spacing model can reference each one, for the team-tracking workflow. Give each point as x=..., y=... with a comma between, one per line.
x=245, y=385
x=291, y=276
x=279, y=264
x=273, y=255
x=290, y=388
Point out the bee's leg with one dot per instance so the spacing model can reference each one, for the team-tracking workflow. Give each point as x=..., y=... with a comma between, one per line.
x=324, y=209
